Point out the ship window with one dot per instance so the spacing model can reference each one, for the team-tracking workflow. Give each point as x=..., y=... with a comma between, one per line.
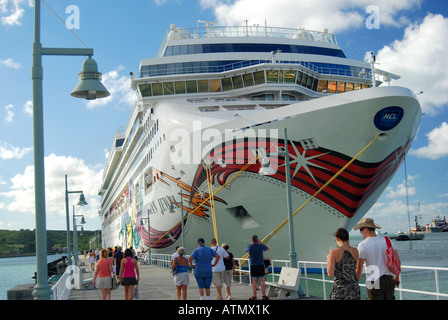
x=309, y=82
x=304, y=80
x=315, y=84
x=323, y=86
x=145, y=90
x=215, y=85
x=341, y=87
x=272, y=76
x=349, y=87
x=175, y=50
x=299, y=77
x=358, y=86
x=289, y=76
x=192, y=86
x=183, y=50
x=169, y=51
x=179, y=87
x=170, y=68
x=237, y=82
x=191, y=49
x=259, y=77
x=332, y=87
x=248, y=80
x=202, y=85
x=227, y=84
x=157, y=89
x=168, y=88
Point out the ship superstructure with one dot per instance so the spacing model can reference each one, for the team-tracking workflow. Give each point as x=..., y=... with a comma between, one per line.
x=211, y=111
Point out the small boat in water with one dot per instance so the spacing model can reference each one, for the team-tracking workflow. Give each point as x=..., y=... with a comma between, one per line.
x=408, y=236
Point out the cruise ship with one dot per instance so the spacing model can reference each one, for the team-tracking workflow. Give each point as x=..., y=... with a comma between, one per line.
x=217, y=107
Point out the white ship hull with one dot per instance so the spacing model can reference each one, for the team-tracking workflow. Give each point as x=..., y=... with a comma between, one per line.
x=337, y=128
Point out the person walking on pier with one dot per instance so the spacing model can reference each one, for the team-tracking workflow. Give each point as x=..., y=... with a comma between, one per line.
x=255, y=250
x=341, y=264
x=219, y=269
x=179, y=268
x=129, y=274
x=381, y=281
x=230, y=271
x=102, y=278
x=202, y=267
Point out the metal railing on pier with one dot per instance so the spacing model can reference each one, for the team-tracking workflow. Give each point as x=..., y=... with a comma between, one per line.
x=416, y=281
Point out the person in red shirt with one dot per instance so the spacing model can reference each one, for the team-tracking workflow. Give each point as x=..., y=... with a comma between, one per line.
x=102, y=278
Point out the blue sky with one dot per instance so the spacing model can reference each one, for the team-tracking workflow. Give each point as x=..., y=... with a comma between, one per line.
x=409, y=40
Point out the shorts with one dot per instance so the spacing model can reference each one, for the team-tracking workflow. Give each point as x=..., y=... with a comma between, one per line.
x=182, y=278
x=218, y=278
x=228, y=275
x=104, y=283
x=257, y=271
x=204, y=279
x=129, y=281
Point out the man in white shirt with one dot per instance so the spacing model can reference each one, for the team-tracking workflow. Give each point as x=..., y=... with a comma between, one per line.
x=220, y=268
x=380, y=282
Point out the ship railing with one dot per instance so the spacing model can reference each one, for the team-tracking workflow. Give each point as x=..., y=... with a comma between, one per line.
x=210, y=31
x=315, y=282
x=335, y=70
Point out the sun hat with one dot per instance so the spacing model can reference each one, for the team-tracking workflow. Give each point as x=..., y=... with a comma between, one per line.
x=366, y=223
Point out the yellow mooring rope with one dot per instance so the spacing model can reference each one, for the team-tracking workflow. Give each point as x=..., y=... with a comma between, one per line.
x=270, y=235
x=212, y=199
x=212, y=195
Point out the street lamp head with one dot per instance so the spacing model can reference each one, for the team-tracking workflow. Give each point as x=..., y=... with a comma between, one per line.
x=90, y=86
x=82, y=200
x=83, y=221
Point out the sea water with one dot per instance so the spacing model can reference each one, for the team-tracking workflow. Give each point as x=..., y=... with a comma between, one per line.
x=18, y=270
x=432, y=251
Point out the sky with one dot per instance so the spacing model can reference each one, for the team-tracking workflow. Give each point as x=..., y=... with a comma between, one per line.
x=409, y=38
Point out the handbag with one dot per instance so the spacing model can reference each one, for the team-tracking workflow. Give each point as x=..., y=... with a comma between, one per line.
x=135, y=294
x=392, y=260
x=114, y=283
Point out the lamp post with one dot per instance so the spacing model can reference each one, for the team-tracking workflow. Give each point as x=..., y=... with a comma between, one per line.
x=90, y=89
x=75, y=235
x=81, y=202
x=267, y=170
x=149, y=237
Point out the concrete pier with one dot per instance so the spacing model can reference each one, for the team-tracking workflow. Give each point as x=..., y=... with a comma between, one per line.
x=157, y=283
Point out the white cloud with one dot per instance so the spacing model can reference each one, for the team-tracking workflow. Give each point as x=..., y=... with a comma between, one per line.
x=13, y=11
x=400, y=190
x=119, y=87
x=310, y=14
x=8, y=151
x=81, y=177
x=9, y=63
x=28, y=108
x=9, y=113
x=437, y=144
x=420, y=59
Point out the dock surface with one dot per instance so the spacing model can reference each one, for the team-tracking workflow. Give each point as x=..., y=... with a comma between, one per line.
x=157, y=283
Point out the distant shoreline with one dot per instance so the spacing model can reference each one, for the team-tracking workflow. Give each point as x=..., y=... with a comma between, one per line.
x=18, y=255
